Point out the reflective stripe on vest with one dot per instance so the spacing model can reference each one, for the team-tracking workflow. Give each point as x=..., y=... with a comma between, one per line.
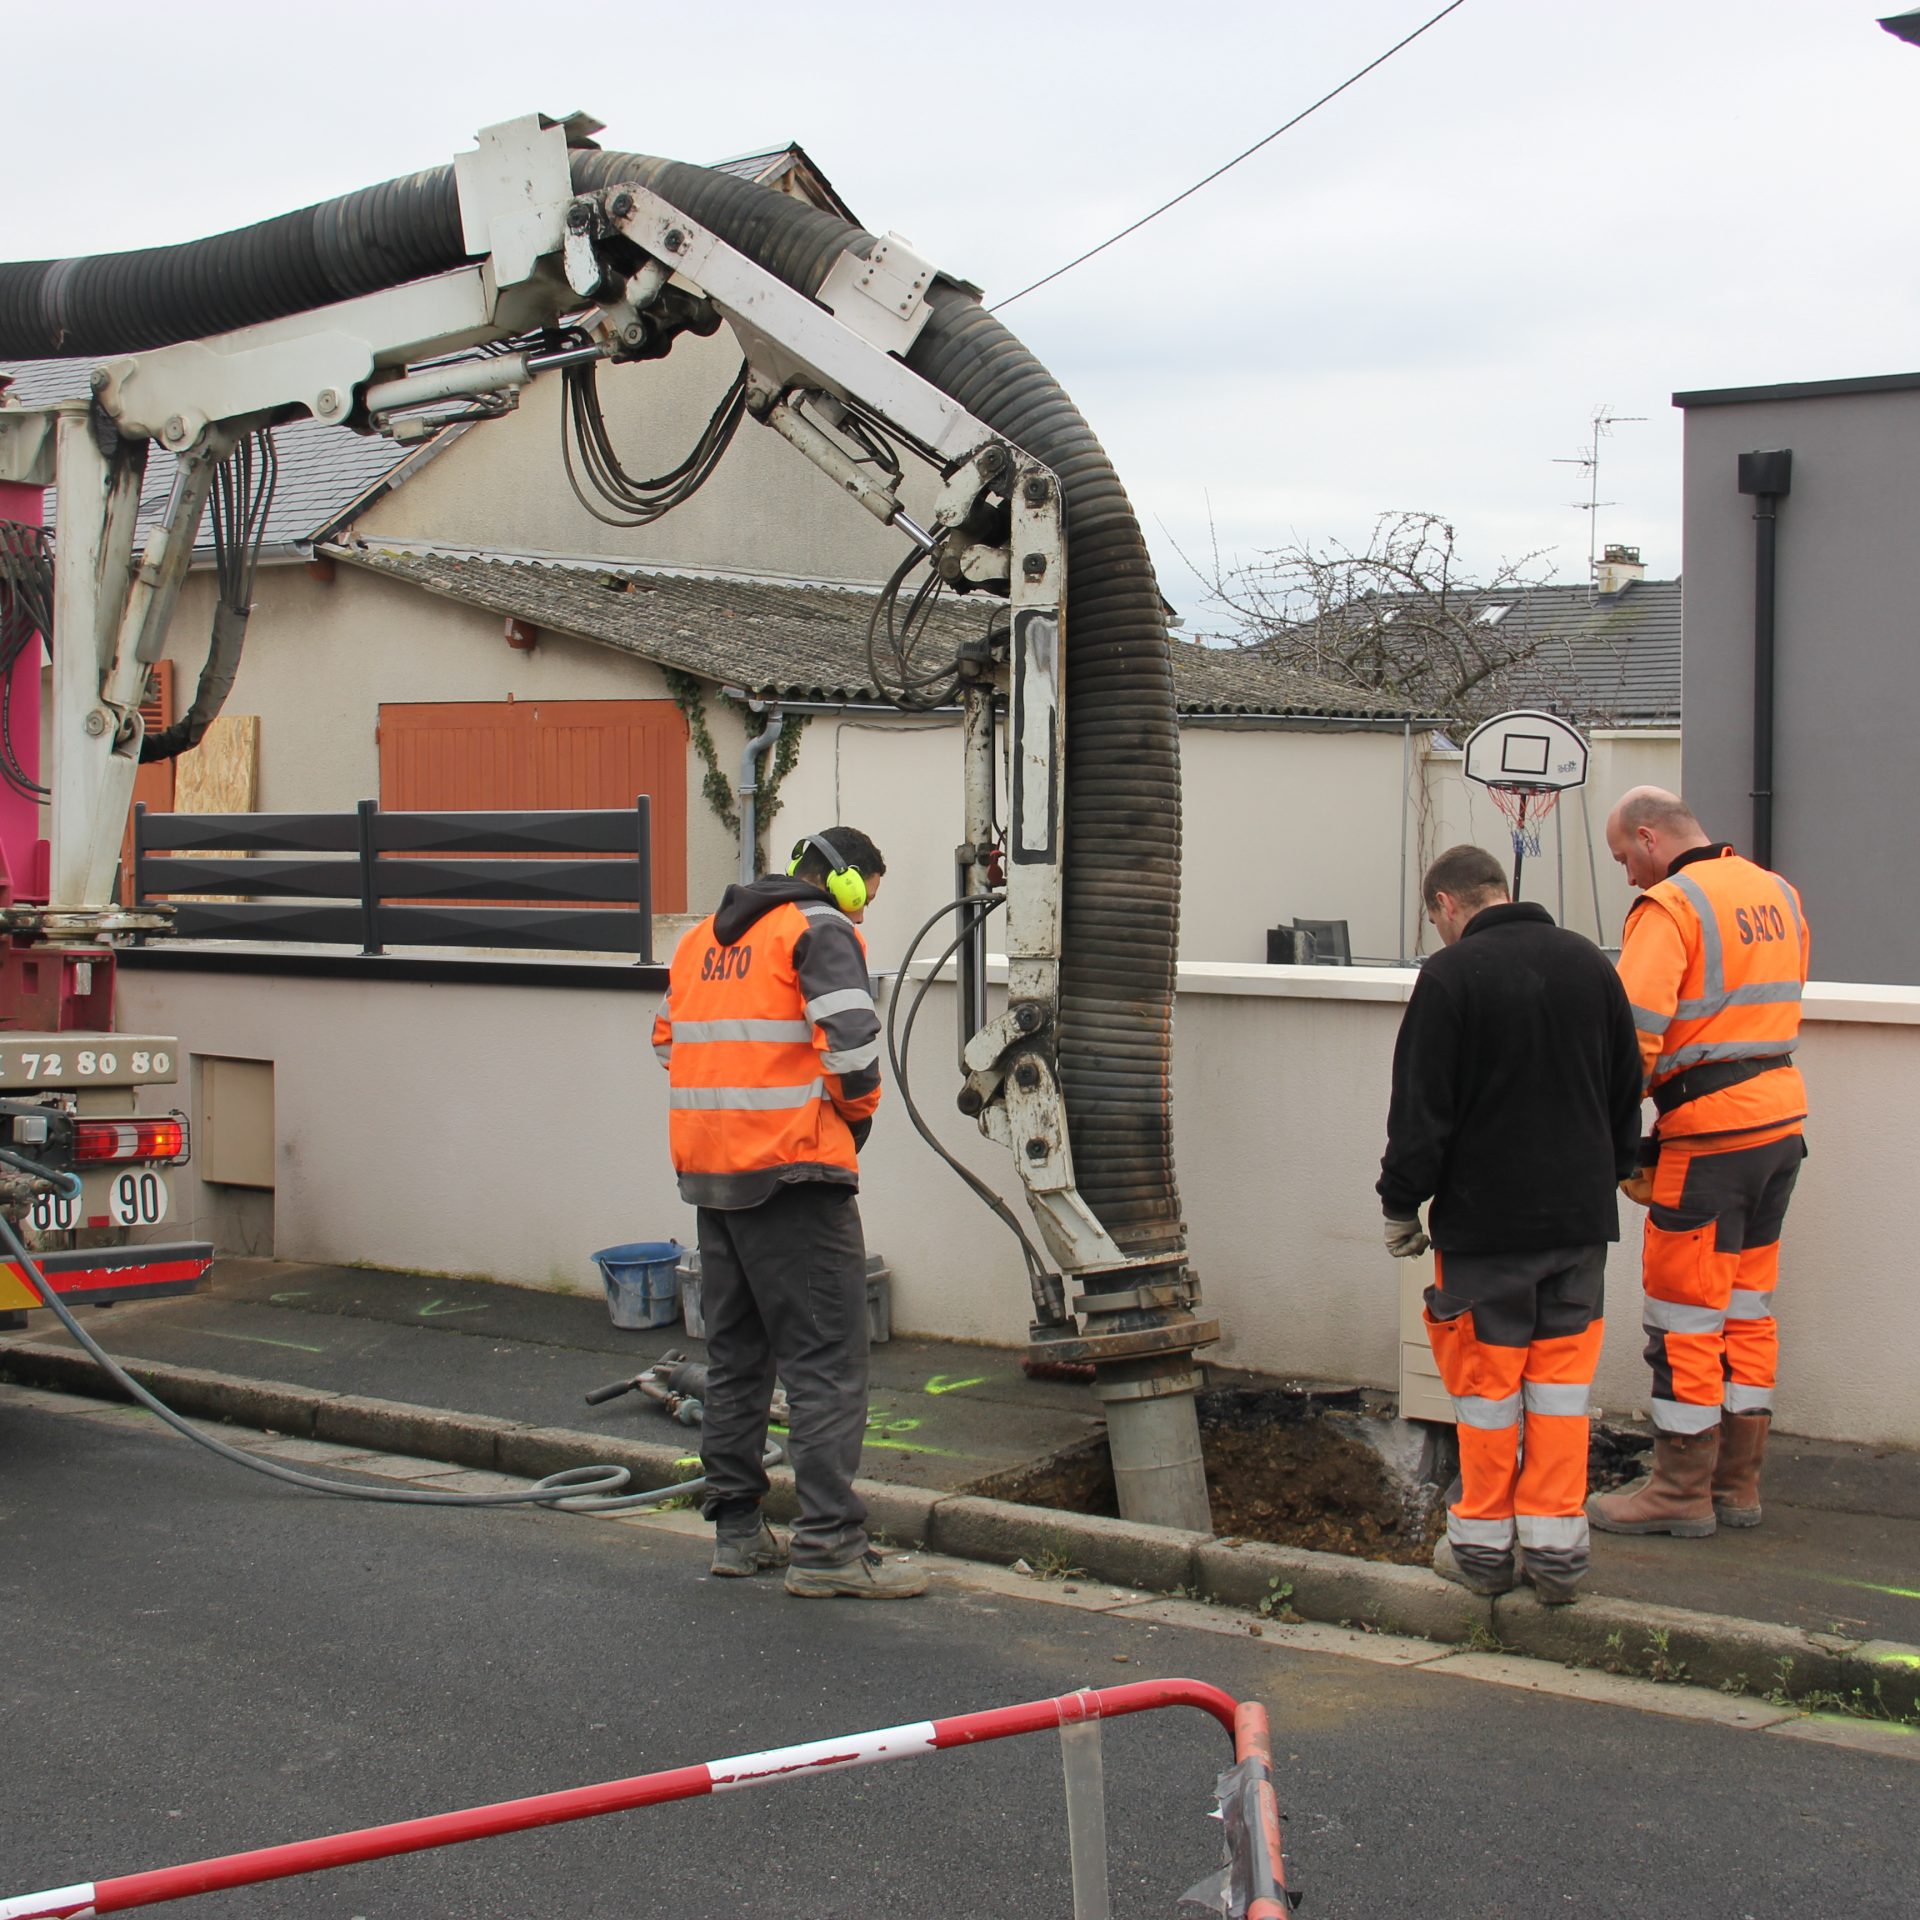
x=745, y=1099
x=716, y=1032
x=843, y=1000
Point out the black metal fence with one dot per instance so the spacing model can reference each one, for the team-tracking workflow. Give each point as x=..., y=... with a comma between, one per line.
x=374, y=879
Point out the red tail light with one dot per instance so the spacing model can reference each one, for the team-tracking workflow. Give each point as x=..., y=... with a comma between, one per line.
x=97, y=1141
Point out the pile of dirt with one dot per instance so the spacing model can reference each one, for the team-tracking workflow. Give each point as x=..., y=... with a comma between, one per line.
x=1307, y=1467
x=1284, y=1465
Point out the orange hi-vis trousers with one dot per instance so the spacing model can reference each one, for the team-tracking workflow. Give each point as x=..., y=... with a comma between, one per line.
x=1709, y=1265
x=1516, y=1337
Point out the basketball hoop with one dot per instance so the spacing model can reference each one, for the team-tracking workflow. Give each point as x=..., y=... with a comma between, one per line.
x=1525, y=807
x=1526, y=760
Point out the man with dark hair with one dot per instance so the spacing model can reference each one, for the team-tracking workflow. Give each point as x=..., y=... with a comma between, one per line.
x=1516, y=1107
x=772, y=1048
x=1714, y=959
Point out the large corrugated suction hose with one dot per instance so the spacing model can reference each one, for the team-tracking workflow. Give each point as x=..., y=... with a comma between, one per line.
x=1122, y=741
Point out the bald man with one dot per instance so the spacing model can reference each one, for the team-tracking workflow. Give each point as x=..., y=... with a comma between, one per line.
x=1713, y=959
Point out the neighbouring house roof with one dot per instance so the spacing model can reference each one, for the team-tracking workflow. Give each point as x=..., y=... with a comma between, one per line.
x=780, y=640
x=328, y=474
x=1608, y=657
x=1600, y=659
x=789, y=170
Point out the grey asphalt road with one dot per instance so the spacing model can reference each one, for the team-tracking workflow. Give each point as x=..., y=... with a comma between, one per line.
x=198, y=1662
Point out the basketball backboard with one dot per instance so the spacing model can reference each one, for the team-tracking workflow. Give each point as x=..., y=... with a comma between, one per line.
x=1526, y=750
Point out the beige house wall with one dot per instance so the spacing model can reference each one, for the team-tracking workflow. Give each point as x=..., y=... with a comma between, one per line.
x=765, y=511
x=390, y=1148
x=1278, y=824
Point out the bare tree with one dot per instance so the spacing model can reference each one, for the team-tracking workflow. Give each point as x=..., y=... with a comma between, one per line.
x=1399, y=617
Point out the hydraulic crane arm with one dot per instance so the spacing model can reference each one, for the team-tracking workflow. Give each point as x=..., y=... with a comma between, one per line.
x=567, y=258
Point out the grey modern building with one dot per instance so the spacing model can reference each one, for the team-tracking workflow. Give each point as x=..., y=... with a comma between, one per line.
x=1802, y=668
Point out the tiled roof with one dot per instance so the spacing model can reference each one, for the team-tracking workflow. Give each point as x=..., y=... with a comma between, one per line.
x=1597, y=659
x=1602, y=657
x=781, y=640
x=324, y=471
x=792, y=170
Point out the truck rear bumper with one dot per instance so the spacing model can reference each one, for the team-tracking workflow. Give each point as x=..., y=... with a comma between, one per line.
x=97, y=1276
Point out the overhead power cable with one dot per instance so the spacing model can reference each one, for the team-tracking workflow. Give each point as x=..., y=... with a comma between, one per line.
x=1351, y=80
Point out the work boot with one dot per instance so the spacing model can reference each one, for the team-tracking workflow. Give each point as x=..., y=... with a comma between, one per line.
x=868, y=1578
x=738, y=1556
x=1554, y=1586
x=1676, y=1497
x=1736, y=1474
x=1484, y=1571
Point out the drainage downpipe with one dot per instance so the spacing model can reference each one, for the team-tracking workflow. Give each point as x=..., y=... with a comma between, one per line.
x=755, y=751
x=1768, y=477
x=1122, y=828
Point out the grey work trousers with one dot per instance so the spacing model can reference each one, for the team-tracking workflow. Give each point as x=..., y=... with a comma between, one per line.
x=783, y=1290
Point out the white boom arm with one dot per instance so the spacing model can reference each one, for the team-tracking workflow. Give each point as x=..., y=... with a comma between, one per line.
x=545, y=262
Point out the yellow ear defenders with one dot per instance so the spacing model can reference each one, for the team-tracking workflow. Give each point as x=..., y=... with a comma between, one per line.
x=847, y=885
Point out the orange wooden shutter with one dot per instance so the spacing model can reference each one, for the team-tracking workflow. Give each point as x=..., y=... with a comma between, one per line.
x=545, y=755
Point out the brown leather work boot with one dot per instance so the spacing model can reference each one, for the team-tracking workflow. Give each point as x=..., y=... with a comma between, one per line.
x=1736, y=1476
x=1676, y=1497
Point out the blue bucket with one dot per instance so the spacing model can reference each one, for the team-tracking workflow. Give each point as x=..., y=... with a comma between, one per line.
x=643, y=1288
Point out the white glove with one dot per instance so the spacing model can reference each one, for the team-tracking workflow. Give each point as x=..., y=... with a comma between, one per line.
x=1406, y=1240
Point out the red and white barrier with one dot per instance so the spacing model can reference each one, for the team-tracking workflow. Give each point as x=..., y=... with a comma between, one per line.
x=1246, y=1722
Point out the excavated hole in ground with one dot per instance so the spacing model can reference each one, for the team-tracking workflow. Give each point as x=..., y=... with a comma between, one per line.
x=1305, y=1468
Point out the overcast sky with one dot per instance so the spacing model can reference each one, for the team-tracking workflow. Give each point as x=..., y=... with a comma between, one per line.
x=1416, y=300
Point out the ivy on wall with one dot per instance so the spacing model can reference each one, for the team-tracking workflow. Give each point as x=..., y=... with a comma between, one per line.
x=689, y=695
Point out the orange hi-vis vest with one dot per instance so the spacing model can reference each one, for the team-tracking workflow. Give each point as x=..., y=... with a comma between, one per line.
x=1714, y=959
x=771, y=1044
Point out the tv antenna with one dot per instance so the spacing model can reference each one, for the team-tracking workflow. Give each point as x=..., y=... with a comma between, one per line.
x=1604, y=421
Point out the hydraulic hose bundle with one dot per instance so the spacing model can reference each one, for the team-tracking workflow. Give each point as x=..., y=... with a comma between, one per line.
x=1121, y=922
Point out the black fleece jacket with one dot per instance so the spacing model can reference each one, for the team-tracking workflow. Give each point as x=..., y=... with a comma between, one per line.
x=1516, y=1090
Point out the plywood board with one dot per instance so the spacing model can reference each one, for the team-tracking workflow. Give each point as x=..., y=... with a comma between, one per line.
x=221, y=774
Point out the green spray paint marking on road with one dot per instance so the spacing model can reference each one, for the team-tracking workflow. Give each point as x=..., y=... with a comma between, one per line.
x=293, y=1293
x=1865, y=1586
x=260, y=1340
x=941, y=1384
x=908, y=1446
x=441, y=1309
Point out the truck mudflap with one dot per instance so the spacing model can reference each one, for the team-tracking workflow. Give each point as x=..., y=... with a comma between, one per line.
x=97, y=1276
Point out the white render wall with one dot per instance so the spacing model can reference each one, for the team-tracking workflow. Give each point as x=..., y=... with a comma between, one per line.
x=510, y=1130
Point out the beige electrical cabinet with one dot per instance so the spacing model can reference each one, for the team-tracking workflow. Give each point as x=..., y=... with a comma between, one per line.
x=1422, y=1397
x=234, y=1144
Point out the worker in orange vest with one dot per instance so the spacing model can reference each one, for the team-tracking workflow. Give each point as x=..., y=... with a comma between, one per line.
x=772, y=1050
x=1714, y=959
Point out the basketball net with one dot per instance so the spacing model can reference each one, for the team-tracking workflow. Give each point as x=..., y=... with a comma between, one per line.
x=1525, y=808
